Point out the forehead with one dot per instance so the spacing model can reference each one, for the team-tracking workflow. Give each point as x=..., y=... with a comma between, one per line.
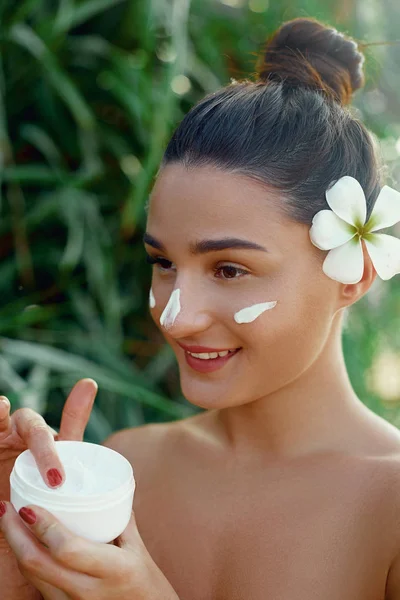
x=206, y=201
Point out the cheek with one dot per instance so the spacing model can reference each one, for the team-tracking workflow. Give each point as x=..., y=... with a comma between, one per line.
x=290, y=337
x=253, y=312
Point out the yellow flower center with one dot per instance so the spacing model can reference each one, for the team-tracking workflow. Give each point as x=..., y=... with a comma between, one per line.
x=363, y=230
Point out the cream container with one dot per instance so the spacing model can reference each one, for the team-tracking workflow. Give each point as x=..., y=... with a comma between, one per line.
x=95, y=500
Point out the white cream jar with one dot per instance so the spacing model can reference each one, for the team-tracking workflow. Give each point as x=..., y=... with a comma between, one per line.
x=95, y=500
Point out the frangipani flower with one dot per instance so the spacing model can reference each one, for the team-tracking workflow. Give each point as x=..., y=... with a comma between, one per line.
x=341, y=230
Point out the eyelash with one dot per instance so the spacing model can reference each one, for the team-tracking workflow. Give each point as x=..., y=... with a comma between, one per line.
x=160, y=261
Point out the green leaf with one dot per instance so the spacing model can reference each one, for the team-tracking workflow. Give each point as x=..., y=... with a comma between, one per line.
x=33, y=173
x=23, y=35
x=77, y=367
x=39, y=138
x=70, y=16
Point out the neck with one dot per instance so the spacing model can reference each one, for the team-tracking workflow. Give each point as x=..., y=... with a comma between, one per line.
x=316, y=412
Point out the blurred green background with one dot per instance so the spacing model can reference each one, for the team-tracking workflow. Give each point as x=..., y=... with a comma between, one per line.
x=90, y=92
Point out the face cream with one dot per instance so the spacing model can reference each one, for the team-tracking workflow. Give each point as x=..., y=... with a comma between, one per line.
x=249, y=314
x=152, y=300
x=171, y=311
x=95, y=500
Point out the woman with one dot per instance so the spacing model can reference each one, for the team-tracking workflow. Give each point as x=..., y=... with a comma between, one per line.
x=263, y=227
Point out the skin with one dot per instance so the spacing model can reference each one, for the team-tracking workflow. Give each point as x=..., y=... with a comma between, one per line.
x=286, y=486
x=63, y=566
x=282, y=422
x=295, y=345
x=42, y=559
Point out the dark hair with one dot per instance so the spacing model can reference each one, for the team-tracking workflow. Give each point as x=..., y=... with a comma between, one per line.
x=290, y=129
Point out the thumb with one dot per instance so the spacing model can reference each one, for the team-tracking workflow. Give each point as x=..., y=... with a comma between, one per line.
x=130, y=538
x=5, y=418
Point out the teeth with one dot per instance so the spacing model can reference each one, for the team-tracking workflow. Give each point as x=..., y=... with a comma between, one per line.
x=208, y=355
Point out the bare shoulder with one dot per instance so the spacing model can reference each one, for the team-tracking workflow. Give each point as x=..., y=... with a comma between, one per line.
x=157, y=451
x=371, y=438
x=143, y=445
x=387, y=471
x=126, y=441
x=379, y=449
x=381, y=459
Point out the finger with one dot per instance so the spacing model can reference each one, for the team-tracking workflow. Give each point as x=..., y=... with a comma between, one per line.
x=5, y=418
x=53, y=431
x=130, y=539
x=33, y=558
x=77, y=409
x=35, y=432
x=66, y=548
x=47, y=591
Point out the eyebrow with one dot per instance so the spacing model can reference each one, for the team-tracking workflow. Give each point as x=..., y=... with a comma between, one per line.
x=204, y=246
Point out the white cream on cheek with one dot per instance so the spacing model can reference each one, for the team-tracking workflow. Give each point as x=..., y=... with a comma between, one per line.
x=249, y=314
x=172, y=310
x=152, y=300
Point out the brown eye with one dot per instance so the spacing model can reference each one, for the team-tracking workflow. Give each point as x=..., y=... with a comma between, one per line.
x=231, y=272
x=162, y=263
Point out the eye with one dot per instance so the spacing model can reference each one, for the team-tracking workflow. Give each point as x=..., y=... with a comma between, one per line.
x=163, y=263
x=231, y=272
x=223, y=272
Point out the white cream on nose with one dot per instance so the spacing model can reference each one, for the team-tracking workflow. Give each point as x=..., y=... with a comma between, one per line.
x=171, y=311
x=152, y=300
x=249, y=314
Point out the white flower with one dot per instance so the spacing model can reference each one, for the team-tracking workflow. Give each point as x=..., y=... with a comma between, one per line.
x=341, y=230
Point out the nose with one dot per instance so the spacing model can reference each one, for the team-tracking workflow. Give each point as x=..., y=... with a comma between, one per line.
x=186, y=313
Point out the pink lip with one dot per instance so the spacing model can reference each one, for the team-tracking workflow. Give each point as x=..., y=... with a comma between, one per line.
x=199, y=349
x=208, y=365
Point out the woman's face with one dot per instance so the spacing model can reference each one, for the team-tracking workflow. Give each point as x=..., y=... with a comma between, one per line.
x=189, y=208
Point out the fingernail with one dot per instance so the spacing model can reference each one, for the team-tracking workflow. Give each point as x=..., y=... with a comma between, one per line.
x=3, y=508
x=27, y=515
x=54, y=477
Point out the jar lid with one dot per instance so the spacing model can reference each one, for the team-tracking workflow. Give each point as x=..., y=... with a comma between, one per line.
x=95, y=475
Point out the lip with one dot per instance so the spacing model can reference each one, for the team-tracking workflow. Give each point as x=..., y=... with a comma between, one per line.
x=199, y=349
x=211, y=364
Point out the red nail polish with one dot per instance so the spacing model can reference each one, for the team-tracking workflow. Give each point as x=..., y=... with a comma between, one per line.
x=3, y=508
x=54, y=477
x=27, y=515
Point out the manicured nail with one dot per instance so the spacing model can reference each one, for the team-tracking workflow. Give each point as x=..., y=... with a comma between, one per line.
x=54, y=477
x=27, y=515
x=3, y=508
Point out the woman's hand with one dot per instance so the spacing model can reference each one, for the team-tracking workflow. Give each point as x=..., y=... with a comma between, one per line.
x=63, y=566
x=26, y=429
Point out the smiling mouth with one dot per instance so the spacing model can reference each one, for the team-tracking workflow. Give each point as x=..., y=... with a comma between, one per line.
x=207, y=362
x=211, y=355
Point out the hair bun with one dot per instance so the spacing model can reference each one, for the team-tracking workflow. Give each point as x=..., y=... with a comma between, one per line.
x=307, y=53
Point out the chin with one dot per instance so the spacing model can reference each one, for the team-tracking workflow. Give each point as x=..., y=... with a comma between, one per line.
x=209, y=395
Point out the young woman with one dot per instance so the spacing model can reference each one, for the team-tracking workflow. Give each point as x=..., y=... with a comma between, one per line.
x=264, y=226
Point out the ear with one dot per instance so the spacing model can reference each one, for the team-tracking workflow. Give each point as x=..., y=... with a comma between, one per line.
x=351, y=292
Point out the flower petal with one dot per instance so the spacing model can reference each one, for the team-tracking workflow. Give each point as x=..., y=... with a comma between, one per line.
x=386, y=211
x=347, y=199
x=329, y=231
x=346, y=263
x=384, y=251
